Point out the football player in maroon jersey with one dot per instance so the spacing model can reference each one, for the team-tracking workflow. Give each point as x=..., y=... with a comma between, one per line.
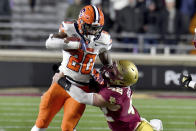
x=115, y=97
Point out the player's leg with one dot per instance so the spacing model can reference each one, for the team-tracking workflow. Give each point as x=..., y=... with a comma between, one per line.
x=72, y=114
x=51, y=102
x=144, y=126
x=153, y=125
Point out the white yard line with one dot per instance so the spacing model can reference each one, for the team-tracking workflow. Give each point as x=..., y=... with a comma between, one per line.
x=179, y=129
x=54, y=121
x=166, y=107
x=91, y=128
x=22, y=127
x=139, y=106
x=93, y=122
x=101, y=115
x=191, y=112
x=19, y=104
x=36, y=109
x=59, y=114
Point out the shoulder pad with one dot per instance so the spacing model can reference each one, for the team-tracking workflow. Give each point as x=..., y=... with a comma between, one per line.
x=66, y=26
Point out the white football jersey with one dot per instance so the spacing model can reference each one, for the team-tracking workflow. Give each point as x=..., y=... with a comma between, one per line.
x=78, y=64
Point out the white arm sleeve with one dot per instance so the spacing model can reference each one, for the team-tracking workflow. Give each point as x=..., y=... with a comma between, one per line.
x=81, y=96
x=192, y=84
x=56, y=43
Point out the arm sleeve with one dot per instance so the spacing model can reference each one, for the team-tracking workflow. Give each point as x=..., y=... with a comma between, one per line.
x=81, y=96
x=192, y=84
x=56, y=43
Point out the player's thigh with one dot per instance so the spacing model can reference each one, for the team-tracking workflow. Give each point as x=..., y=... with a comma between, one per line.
x=55, y=95
x=51, y=102
x=144, y=126
x=72, y=114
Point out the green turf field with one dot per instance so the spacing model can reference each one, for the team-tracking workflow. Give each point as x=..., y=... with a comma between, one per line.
x=19, y=114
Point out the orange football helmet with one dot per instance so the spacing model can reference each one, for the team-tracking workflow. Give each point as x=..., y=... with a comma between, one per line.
x=90, y=21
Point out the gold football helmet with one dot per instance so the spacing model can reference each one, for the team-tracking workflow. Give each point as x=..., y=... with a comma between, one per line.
x=122, y=73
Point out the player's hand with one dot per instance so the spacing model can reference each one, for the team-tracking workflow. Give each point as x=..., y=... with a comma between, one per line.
x=185, y=79
x=97, y=77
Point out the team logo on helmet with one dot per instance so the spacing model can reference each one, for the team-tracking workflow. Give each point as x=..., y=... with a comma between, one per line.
x=82, y=12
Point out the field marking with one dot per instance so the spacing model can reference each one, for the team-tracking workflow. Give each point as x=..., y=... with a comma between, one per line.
x=179, y=129
x=166, y=107
x=30, y=114
x=179, y=123
x=18, y=127
x=93, y=122
x=55, y=127
x=54, y=121
x=37, y=109
x=168, y=112
x=139, y=106
x=171, y=116
x=100, y=115
x=98, y=110
x=19, y=104
x=91, y=128
x=18, y=109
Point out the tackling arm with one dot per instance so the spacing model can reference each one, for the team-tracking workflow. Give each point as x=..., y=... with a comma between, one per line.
x=94, y=99
x=81, y=96
x=105, y=58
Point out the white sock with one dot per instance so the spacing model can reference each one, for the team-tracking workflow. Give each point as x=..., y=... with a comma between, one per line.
x=35, y=128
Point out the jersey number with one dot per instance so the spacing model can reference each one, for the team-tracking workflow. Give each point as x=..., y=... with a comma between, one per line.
x=77, y=57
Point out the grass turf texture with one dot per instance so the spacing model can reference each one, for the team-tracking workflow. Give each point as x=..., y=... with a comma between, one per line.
x=19, y=114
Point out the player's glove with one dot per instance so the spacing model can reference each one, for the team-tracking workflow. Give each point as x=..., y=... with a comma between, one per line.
x=96, y=82
x=185, y=79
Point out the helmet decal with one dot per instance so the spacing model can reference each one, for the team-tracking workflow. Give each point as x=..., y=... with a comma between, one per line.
x=82, y=12
x=90, y=21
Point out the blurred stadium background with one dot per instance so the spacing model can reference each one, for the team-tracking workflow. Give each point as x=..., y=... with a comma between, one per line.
x=155, y=34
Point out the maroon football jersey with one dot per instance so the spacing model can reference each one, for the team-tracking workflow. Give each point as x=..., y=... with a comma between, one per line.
x=122, y=116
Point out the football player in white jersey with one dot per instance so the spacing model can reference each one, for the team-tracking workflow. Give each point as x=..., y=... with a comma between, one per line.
x=185, y=80
x=81, y=42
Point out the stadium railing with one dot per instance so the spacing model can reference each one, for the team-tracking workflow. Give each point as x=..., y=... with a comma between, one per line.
x=30, y=30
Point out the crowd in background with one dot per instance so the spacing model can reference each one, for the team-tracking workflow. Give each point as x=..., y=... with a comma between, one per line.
x=167, y=18
x=163, y=17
